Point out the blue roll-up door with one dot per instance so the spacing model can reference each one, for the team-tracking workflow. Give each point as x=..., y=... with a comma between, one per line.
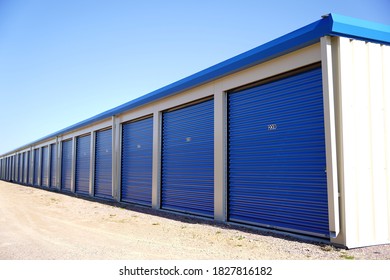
x=53, y=165
x=277, y=158
x=36, y=167
x=9, y=173
x=83, y=159
x=21, y=167
x=6, y=168
x=137, y=153
x=103, y=164
x=12, y=168
x=66, y=165
x=45, y=166
x=18, y=169
x=28, y=168
x=188, y=159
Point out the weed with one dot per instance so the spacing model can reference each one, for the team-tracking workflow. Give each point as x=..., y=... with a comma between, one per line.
x=347, y=257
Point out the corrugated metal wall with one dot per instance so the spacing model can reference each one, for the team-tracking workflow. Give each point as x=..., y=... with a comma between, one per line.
x=66, y=165
x=187, y=182
x=137, y=156
x=103, y=164
x=45, y=167
x=363, y=98
x=277, y=159
x=83, y=159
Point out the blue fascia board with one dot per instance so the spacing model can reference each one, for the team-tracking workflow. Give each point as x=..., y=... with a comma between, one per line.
x=332, y=24
x=360, y=29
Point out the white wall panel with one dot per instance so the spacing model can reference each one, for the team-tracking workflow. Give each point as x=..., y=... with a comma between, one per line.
x=364, y=141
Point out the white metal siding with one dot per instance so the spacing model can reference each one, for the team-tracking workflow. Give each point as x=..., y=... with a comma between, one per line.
x=364, y=141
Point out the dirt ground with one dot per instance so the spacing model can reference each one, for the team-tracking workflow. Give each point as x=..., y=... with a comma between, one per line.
x=39, y=224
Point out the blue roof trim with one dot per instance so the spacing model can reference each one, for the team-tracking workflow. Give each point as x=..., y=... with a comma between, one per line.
x=331, y=24
x=360, y=29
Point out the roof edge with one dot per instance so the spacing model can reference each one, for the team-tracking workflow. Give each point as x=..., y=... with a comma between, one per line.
x=360, y=29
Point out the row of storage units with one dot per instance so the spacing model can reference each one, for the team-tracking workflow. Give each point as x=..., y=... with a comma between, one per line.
x=266, y=186
x=264, y=145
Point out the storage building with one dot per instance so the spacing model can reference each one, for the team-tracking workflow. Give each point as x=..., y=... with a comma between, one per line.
x=293, y=135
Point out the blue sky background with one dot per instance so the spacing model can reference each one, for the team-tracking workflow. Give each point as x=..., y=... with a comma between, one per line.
x=64, y=61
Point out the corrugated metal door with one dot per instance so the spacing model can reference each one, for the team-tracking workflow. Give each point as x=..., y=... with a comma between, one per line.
x=7, y=169
x=188, y=159
x=21, y=170
x=53, y=165
x=28, y=167
x=45, y=166
x=83, y=156
x=137, y=153
x=66, y=165
x=36, y=167
x=12, y=168
x=9, y=173
x=103, y=164
x=18, y=169
x=276, y=152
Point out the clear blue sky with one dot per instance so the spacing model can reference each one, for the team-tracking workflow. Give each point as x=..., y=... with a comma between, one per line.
x=63, y=61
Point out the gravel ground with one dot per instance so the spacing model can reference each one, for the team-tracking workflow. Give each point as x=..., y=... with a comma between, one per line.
x=40, y=224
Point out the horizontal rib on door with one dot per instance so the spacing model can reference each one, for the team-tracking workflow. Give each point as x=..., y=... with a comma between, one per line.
x=66, y=165
x=44, y=167
x=53, y=165
x=277, y=158
x=103, y=164
x=83, y=155
x=36, y=167
x=188, y=159
x=137, y=154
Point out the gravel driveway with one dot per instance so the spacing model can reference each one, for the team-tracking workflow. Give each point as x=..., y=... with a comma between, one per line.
x=39, y=224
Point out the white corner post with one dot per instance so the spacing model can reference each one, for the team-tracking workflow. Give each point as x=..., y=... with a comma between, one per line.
x=73, y=172
x=220, y=177
x=116, y=156
x=330, y=136
x=156, y=166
